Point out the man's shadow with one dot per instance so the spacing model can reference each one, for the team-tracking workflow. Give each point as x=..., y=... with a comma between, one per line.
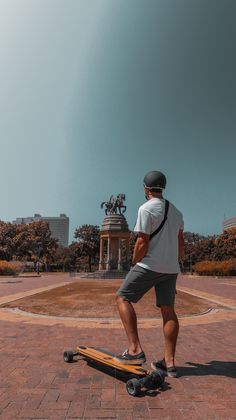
x=215, y=367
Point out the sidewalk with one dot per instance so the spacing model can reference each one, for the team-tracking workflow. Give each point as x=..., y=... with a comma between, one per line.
x=221, y=286
x=37, y=384
x=12, y=285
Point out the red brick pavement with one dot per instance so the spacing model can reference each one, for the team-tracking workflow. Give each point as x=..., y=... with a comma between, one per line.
x=37, y=384
x=225, y=287
x=10, y=285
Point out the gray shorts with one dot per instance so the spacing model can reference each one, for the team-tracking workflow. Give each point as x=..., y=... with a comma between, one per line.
x=139, y=281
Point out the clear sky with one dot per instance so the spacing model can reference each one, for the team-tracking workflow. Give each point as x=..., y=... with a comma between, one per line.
x=95, y=93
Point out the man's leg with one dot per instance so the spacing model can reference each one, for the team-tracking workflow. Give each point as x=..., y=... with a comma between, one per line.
x=170, y=330
x=137, y=282
x=129, y=320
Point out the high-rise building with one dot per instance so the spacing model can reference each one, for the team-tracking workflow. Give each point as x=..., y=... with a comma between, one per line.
x=229, y=223
x=59, y=226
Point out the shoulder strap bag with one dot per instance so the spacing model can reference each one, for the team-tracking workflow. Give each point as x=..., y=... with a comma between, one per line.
x=163, y=221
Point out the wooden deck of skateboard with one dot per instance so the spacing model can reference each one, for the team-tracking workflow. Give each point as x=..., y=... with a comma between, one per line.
x=106, y=358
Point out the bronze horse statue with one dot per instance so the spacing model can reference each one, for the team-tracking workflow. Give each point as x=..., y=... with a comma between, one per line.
x=114, y=204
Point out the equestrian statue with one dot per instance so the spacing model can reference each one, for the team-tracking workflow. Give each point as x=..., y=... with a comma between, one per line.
x=114, y=204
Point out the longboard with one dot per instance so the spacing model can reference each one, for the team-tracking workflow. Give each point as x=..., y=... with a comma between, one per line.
x=140, y=377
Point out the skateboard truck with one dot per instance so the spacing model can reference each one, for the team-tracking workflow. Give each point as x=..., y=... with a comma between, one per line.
x=140, y=377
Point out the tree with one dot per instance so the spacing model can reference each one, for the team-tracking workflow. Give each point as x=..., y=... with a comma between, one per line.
x=225, y=245
x=44, y=246
x=200, y=248
x=26, y=241
x=7, y=235
x=67, y=258
x=88, y=242
x=33, y=241
x=196, y=248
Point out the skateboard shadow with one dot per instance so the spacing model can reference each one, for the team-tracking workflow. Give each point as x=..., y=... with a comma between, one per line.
x=215, y=367
x=124, y=377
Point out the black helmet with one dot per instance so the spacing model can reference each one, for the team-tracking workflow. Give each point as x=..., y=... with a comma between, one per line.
x=154, y=180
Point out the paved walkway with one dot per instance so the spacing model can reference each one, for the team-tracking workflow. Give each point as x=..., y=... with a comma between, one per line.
x=37, y=384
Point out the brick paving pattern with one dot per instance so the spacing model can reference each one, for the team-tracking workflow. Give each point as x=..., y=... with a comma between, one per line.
x=37, y=384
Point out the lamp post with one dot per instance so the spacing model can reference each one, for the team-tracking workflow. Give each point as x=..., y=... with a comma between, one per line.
x=38, y=250
x=192, y=243
x=190, y=263
x=189, y=243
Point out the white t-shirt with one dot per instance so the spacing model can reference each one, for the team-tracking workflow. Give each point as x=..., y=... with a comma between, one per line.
x=162, y=254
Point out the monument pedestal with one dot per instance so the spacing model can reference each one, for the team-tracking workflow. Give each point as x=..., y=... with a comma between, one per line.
x=114, y=244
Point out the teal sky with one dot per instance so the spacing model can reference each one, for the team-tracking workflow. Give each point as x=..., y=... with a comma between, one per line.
x=95, y=93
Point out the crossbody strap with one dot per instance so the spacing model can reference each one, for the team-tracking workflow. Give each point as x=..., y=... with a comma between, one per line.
x=163, y=221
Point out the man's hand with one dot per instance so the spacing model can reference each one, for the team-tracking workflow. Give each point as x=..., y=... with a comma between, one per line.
x=141, y=247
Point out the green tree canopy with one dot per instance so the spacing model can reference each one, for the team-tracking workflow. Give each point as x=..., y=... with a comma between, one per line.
x=26, y=241
x=7, y=235
x=88, y=242
x=225, y=245
x=66, y=258
x=209, y=248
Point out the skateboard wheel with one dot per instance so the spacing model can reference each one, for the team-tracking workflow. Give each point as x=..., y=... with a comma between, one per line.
x=158, y=379
x=68, y=356
x=133, y=387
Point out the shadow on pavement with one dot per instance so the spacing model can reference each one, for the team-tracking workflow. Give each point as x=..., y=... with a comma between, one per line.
x=215, y=367
x=123, y=376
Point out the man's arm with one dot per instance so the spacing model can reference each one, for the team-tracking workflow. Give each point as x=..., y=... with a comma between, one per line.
x=181, y=243
x=141, y=247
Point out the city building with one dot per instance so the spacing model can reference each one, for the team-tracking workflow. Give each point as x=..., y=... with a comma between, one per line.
x=229, y=223
x=59, y=226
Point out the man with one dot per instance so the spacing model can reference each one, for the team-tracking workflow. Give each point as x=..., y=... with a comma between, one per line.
x=155, y=264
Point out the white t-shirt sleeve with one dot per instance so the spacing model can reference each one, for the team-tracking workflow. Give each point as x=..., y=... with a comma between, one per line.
x=144, y=222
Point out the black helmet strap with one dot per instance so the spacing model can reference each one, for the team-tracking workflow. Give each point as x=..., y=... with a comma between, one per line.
x=154, y=188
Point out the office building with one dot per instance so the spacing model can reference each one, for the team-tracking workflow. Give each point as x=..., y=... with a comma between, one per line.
x=229, y=223
x=59, y=226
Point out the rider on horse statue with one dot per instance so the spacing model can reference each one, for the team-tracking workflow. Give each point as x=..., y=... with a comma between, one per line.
x=114, y=204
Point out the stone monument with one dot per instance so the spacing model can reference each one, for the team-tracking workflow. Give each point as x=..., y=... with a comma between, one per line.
x=114, y=237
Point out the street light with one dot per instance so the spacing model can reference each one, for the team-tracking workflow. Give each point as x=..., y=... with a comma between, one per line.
x=190, y=263
x=38, y=250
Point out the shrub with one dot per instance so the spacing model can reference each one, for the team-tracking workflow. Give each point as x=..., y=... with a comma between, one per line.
x=10, y=268
x=216, y=268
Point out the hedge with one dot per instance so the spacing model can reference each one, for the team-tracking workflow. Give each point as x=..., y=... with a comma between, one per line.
x=10, y=268
x=216, y=268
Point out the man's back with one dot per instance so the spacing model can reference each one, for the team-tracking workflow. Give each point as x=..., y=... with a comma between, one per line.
x=162, y=254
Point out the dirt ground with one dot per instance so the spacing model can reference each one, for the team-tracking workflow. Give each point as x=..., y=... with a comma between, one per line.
x=96, y=299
